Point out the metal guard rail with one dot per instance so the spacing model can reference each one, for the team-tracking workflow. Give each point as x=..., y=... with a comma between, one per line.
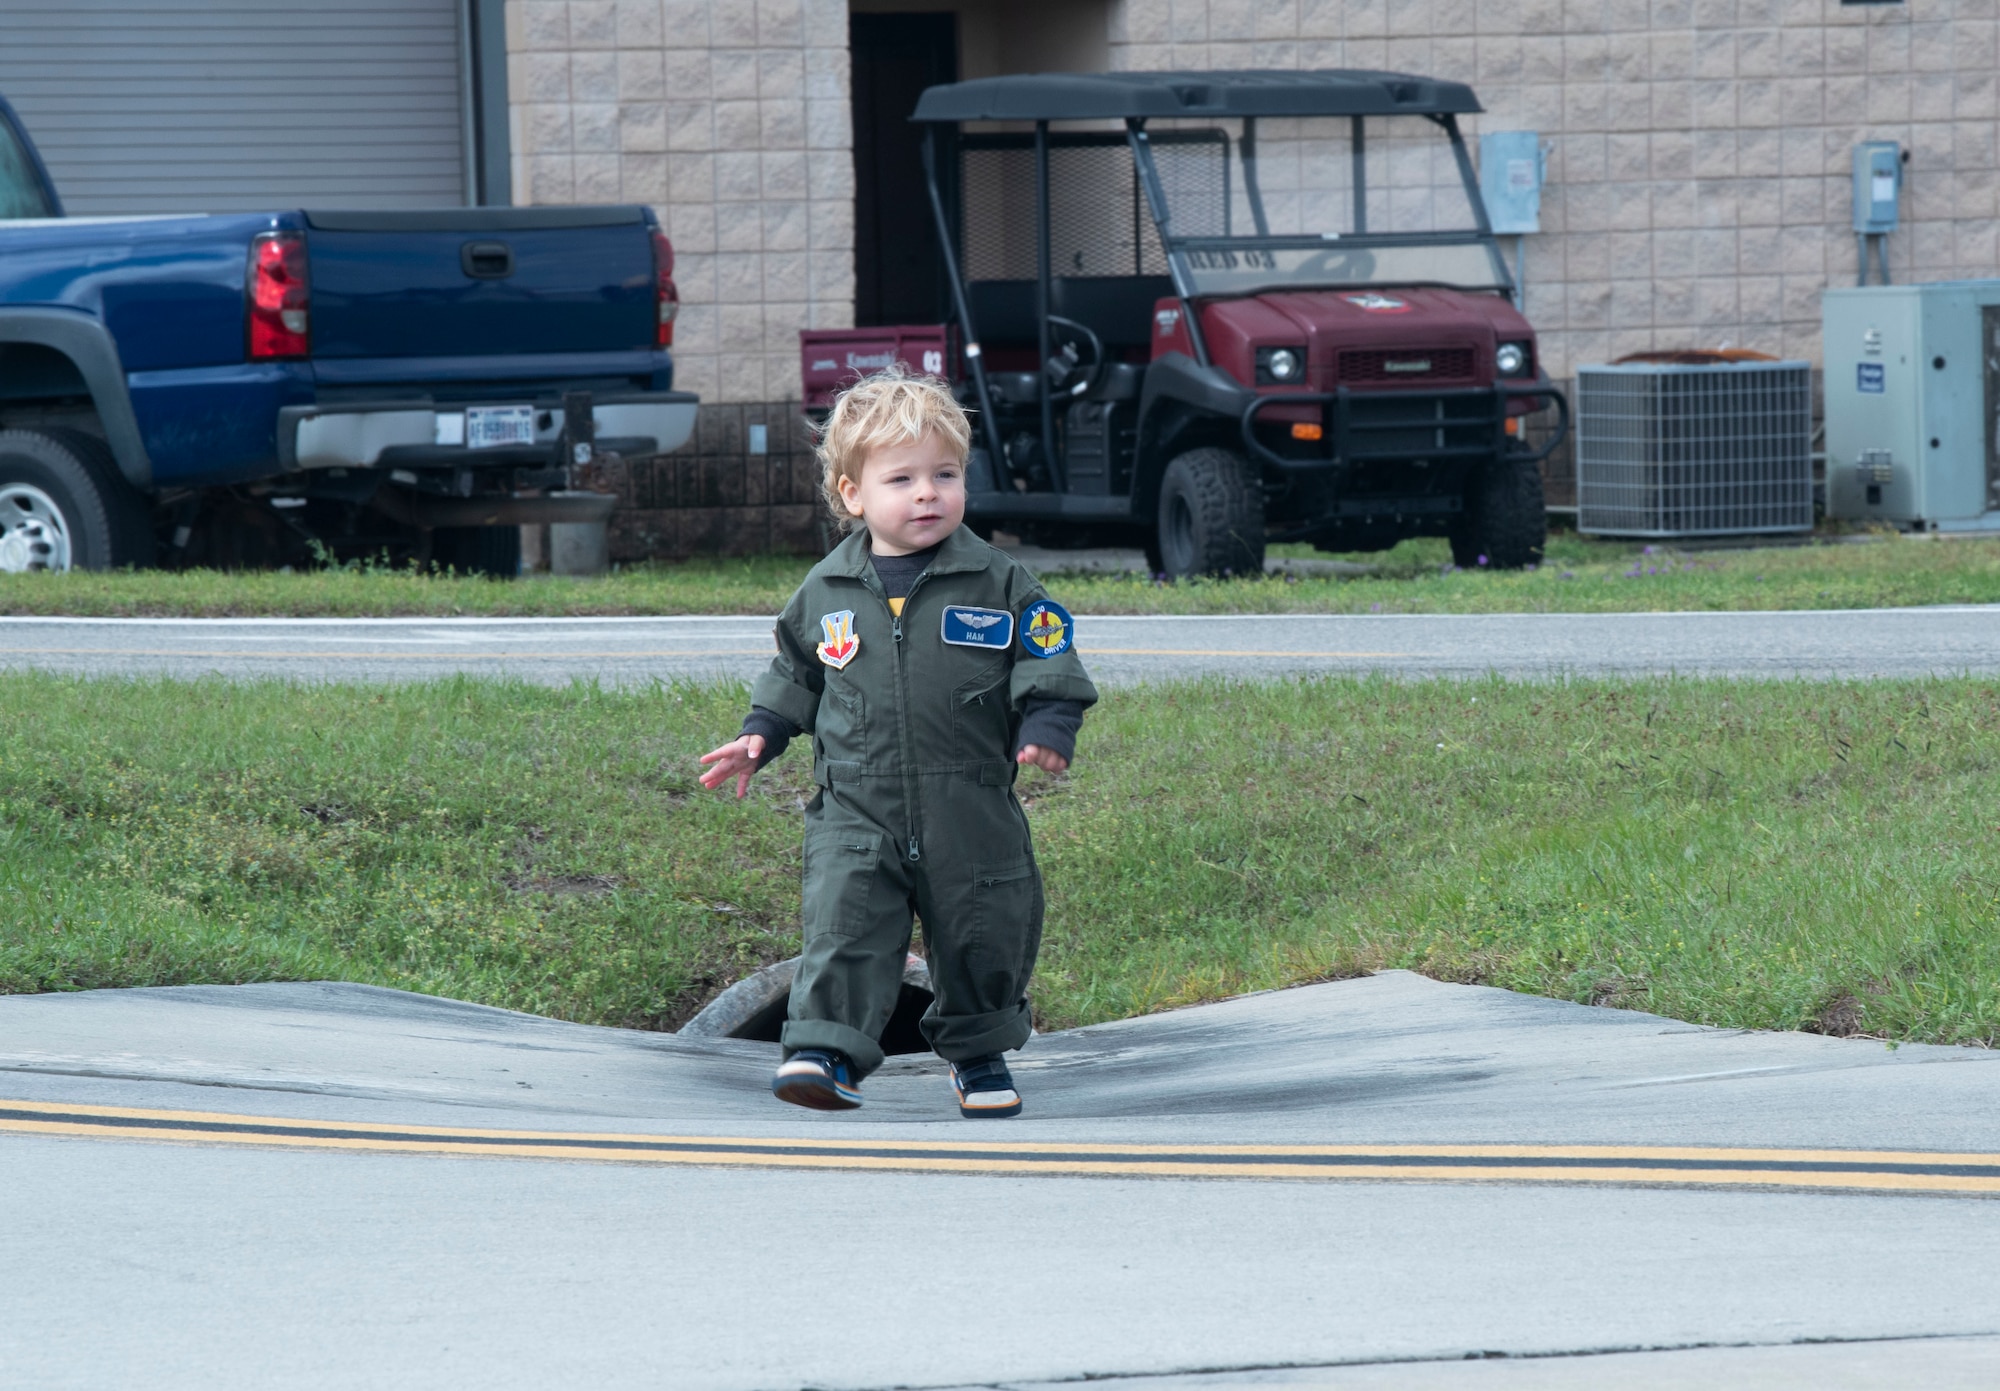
x=1339, y=426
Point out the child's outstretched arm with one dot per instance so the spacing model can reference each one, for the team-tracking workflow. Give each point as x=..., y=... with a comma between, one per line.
x=1051, y=691
x=783, y=704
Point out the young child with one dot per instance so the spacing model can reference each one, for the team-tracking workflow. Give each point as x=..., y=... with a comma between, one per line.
x=927, y=666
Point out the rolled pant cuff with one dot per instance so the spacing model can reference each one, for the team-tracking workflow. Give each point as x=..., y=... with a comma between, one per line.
x=963, y=1037
x=864, y=1052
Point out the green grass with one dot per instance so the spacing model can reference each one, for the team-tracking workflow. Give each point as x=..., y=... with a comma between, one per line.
x=1770, y=855
x=1581, y=576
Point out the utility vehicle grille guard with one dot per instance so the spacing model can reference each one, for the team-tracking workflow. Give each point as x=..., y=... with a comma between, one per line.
x=1347, y=438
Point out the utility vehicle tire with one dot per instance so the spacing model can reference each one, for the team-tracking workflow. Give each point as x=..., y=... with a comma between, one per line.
x=1506, y=522
x=1211, y=519
x=64, y=505
x=492, y=551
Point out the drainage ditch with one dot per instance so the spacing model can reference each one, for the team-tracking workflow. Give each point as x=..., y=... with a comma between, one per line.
x=754, y=1008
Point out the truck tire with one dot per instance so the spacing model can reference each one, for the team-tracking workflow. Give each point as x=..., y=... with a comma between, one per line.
x=1211, y=518
x=492, y=551
x=1505, y=523
x=64, y=506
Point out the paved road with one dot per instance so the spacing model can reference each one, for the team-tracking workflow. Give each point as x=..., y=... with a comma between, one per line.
x=1844, y=644
x=280, y=1185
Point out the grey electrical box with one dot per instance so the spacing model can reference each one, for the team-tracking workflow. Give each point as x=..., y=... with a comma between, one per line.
x=1878, y=186
x=1913, y=404
x=1511, y=170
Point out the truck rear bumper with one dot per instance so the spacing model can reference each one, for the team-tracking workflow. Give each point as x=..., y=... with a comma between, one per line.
x=423, y=434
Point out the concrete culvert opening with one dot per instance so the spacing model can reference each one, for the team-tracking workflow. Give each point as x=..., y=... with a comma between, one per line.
x=754, y=1007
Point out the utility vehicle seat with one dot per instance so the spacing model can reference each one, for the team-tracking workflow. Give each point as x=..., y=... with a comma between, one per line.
x=1015, y=388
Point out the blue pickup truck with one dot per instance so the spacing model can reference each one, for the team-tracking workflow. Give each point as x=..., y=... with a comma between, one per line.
x=254, y=389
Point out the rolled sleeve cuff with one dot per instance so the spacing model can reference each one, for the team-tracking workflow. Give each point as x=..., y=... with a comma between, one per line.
x=776, y=731
x=1052, y=725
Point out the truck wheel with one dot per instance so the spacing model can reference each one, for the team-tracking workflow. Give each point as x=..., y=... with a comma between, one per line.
x=64, y=506
x=1211, y=517
x=1506, y=522
x=493, y=551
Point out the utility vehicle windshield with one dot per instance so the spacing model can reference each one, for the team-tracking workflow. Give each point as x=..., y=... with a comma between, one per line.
x=1250, y=205
x=1325, y=201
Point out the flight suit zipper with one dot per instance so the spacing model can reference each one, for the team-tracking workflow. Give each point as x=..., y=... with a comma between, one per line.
x=912, y=807
x=912, y=787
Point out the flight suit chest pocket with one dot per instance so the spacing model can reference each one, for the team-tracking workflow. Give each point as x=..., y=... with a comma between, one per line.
x=979, y=706
x=844, y=888
x=844, y=702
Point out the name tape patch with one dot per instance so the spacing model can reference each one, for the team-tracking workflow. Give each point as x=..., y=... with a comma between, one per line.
x=1047, y=630
x=970, y=627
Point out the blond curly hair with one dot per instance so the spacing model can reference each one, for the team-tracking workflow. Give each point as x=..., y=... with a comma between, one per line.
x=890, y=407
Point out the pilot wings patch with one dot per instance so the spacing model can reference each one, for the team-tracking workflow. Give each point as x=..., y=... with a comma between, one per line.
x=970, y=627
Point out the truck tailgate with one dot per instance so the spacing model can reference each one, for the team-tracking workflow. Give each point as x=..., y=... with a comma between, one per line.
x=483, y=281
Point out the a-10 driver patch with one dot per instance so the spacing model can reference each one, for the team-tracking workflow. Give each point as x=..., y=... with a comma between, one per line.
x=1047, y=630
x=970, y=627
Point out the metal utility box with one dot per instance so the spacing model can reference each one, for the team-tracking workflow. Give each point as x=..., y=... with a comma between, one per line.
x=1913, y=404
x=1512, y=170
x=1878, y=184
x=1680, y=449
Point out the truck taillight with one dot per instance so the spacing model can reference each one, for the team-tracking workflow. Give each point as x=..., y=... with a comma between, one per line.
x=666, y=298
x=280, y=297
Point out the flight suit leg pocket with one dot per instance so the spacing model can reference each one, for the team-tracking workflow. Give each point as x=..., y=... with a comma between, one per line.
x=845, y=890
x=1006, y=931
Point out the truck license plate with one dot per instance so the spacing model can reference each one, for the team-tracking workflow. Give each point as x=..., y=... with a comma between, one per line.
x=487, y=426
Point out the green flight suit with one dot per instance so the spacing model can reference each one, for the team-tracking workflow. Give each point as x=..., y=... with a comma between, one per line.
x=913, y=753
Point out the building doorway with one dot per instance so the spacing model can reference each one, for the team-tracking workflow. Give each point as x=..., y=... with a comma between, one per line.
x=898, y=271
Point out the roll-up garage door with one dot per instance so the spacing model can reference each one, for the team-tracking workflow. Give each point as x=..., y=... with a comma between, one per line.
x=240, y=105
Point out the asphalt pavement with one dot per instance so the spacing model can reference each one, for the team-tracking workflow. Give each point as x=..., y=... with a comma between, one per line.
x=1361, y=1183
x=1858, y=643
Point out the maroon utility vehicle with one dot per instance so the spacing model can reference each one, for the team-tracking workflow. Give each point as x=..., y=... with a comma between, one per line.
x=1211, y=310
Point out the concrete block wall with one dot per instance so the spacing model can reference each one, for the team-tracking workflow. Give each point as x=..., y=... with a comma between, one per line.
x=732, y=119
x=1698, y=185
x=716, y=497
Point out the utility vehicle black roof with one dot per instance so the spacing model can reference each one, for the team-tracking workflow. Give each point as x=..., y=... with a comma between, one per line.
x=1079, y=96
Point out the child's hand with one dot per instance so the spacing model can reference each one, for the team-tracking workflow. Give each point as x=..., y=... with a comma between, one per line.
x=735, y=759
x=1048, y=760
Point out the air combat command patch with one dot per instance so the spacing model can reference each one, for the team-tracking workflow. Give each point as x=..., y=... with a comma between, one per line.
x=1047, y=630
x=970, y=627
x=841, y=644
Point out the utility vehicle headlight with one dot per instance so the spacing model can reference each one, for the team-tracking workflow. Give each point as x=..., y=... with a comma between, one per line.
x=1283, y=366
x=1512, y=359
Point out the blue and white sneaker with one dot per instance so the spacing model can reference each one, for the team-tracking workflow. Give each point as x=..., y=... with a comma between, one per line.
x=819, y=1078
x=985, y=1088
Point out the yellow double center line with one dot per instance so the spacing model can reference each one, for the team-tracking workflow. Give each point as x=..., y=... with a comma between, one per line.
x=1877, y=1170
